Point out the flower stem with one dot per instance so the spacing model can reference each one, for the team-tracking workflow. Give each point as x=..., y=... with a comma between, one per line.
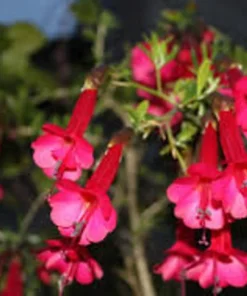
x=151, y=91
x=158, y=80
x=175, y=152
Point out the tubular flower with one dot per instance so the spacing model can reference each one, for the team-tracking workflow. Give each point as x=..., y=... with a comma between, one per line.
x=63, y=153
x=230, y=187
x=72, y=262
x=14, y=283
x=87, y=212
x=240, y=95
x=193, y=194
x=220, y=265
x=179, y=256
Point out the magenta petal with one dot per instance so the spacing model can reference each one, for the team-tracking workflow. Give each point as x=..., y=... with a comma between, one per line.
x=66, y=231
x=142, y=67
x=180, y=188
x=95, y=231
x=83, y=153
x=232, y=274
x=233, y=201
x=53, y=129
x=43, y=148
x=171, y=268
x=84, y=274
x=72, y=175
x=187, y=209
x=68, y=185
x=43, y=256
x=56, y=262
x=97, y=270
x=202, y=272
x=66, y=208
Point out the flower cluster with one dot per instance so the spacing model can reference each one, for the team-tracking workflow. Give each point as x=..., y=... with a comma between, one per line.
x=159, y=64
x=82, y=215
x=212, y=196
x=213, y=192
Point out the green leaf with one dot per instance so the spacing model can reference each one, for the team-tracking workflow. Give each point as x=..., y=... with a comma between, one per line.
x=142, y=109
x=138, y=114
x=86, y=11
x=108, y=19
x=203, y=75
x=188, y=130
x=25, y=38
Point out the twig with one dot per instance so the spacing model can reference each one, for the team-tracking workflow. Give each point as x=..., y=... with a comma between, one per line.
x=99, y=45
x=175, y=152
x=151, y=91
x=26, y=222
x=145, y=280
x=154, y=209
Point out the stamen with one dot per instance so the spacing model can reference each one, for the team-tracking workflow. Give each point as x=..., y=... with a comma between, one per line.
x=203, y=215
x=204, y=241
x=183, y=282
x=56, y=169
x=244, y=184
x=217, y=289
x=78, y=228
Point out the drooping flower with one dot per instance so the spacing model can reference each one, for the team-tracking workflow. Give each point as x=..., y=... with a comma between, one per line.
x=220, y=265
x=14, y=283
x=71, y=261
x=179, y=256
x=230, y=188
x=240, y=96
x=87, y=213
x=192, y=194
x=63, y=153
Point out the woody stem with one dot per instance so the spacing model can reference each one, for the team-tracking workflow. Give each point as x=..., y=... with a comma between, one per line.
x=140, y=259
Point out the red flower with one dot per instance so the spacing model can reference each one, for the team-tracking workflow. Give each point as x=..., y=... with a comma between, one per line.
x=193, y=194
x=73, y=262
x=63, y=153
x=240, y=95
x=14, y=283
x=179, y=256
x=230, y=188
x=220, y=265
x=87, y=213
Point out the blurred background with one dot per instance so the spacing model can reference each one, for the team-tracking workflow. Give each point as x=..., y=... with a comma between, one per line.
x=46, y=49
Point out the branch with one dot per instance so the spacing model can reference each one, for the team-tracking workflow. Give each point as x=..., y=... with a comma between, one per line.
x=145, y=279
x=26, y=222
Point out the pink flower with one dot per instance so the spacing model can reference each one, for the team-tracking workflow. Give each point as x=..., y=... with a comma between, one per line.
x=231, y=187
x=179, y=256
x=193, y=194
x=72, y=261
x=87, y=212
x=143, y=69
x=63, y=153
x=240, y=95
x=14, y=283
x=208, y=36
x=220, y=265
x=159, y=107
